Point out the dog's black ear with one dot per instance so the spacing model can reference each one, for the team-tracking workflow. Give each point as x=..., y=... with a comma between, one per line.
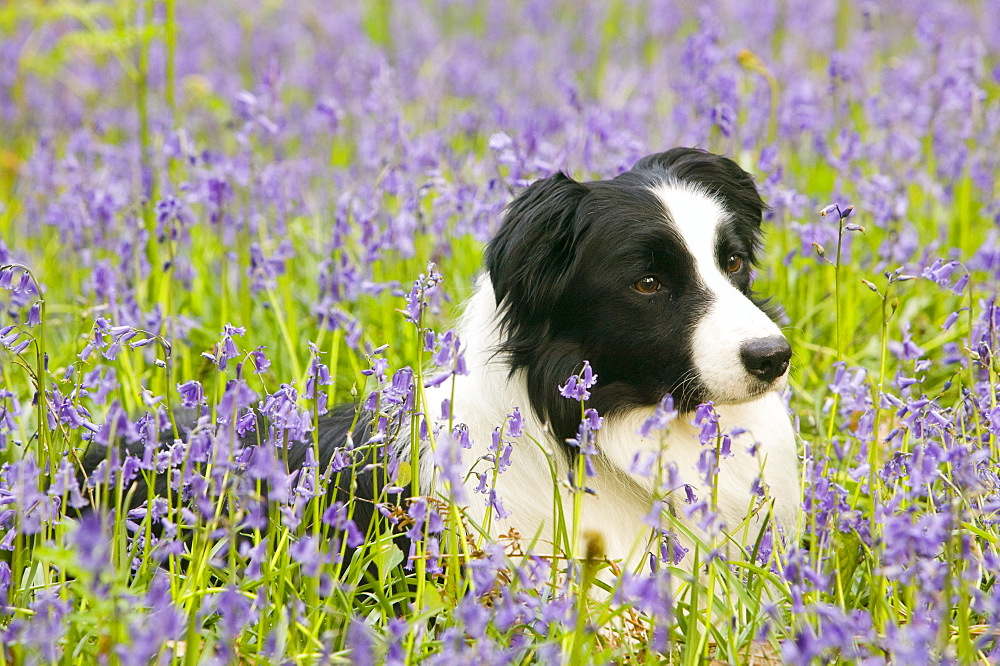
x=530, y=257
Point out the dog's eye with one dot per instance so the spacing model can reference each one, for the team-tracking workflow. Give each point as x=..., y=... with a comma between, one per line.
x=647, y=285
x=735, y=263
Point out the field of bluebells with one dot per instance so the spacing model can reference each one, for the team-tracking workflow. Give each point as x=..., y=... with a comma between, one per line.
x=208, y=208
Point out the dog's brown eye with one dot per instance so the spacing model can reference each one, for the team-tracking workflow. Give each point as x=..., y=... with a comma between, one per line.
x=647, y=285
x=735, y=263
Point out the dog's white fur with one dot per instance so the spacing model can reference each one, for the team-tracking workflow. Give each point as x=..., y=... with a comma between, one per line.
x=483, y=399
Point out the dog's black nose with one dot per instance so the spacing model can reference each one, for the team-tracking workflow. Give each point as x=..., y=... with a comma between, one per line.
x=766, y=358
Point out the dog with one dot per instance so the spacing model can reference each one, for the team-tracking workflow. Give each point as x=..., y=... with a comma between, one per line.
x=645, y=279
x=643, y=282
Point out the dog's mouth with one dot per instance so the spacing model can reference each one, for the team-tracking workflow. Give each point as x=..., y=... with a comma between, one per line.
x=745, y=389
x=757, y=386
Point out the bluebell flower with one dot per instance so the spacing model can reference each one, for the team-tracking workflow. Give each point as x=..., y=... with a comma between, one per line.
x=396, y=654
x=423, y=291
x=473, y=615
x=576, y=387
x=448, y=460
x=842, y=213
x=643, y=463
x=4, y=581
x=42, y=635
x=92, y=546
x=226, y=349
x=264, y=270
x=192, y=394
x=706, y=419
x=304, y=551
x=336, y=516
x=906, y=350
x=662, y=417
x=235, y=610
x=172, y=218
x=360, y=641
x=671, y=549
x=724, y=117
x=288, y=421
x=484, y=569
x=585, y=442
x=852, y=387
x=17, y=348
x=117, y=426
x=708, y=464
x=236, y=397
x=261, y=364
x=503, y=462
x=515, y=423
x=495, y=502
x=401, y=390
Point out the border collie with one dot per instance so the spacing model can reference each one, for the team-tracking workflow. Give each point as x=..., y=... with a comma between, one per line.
x=647, y=277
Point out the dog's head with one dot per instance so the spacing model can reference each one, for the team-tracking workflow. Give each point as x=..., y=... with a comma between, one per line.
x=647, y=276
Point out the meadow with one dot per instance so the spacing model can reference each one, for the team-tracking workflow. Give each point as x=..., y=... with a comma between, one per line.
x=224, y=206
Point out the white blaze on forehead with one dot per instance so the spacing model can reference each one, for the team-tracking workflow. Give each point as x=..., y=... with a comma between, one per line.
x=697, y=217
x=732, y=319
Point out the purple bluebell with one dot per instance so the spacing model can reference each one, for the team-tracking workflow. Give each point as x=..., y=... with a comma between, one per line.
x=483, y=486
x=515, y=423
x=305, y=551
x=92, y=545
x=4, y=581
x=400, y=390
x=226, y=348
x=360, y=641
x=662, y=417
x=66, y=483
x=423, y=292
x=117, y=425
x=495, y=502
x=192, y=394
x=851, y=385
x=706, y=419
x=287, y=421
x=260, y=362
x=236, y=397
x=43, y=634
x=35, y=314
x=264, y=270
x=235, y=611
x=449, y=356
x=576, y=387
x=448, y=460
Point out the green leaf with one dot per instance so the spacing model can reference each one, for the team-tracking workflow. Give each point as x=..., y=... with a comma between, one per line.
x=387, y=557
